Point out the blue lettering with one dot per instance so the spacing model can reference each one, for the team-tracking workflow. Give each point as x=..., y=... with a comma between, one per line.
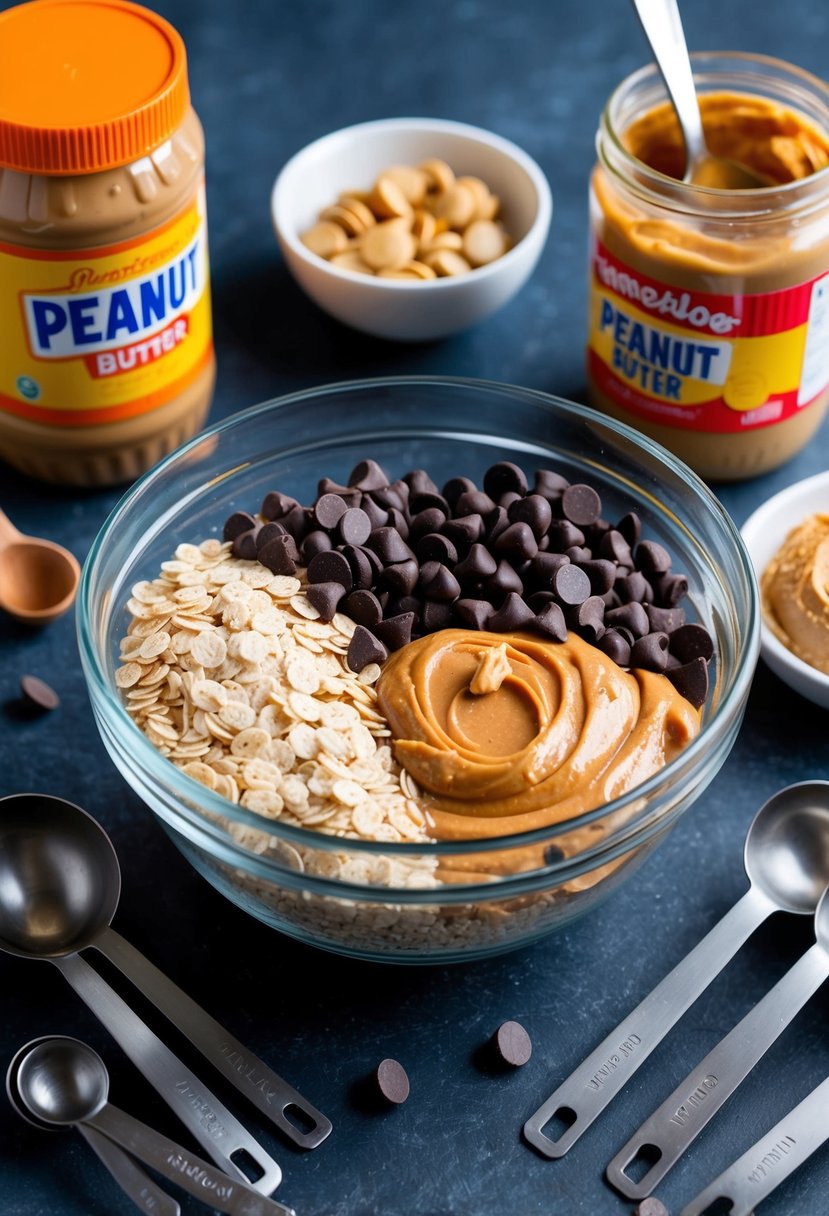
x=50, y=319
x=607, y=315
x=81, y=320
x=121, y=315
x=152, y=301
x=177, y=292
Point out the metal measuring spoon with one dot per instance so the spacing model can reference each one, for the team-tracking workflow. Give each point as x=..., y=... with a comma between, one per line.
x=786, y=858
x=663, y=29
x=38, y=836
x=761, y=1169
x=55, y=887
x=669, y=1131
x=64, y=1082
x=38, y=578
x=136, y=1184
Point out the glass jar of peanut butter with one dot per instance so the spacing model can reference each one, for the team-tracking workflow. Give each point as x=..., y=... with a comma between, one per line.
x=709, y=307
x=107, y=355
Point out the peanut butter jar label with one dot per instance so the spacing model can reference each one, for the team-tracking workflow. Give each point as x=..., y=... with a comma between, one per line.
x=703, y=361
x=103, y=334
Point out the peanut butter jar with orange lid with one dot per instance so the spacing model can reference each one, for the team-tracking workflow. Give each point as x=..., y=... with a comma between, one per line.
x=107, y=357
x=708, y=306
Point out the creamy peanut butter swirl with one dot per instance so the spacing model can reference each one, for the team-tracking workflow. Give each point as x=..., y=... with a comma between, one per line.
x=795, y=591
x=538, y=734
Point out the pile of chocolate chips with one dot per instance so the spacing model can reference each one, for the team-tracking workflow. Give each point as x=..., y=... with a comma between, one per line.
x=405, y=558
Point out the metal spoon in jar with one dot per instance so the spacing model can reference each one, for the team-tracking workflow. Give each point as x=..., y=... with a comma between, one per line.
x=663, y=29
x=64, y=1082
x=668, y=1132
x=135, y=1182
x=38, y=578
x=59, y=888
x=786, y=858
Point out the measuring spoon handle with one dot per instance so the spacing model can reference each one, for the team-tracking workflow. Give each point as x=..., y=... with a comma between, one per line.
x=664, y=1137
x=172, y=1161
x=752, y=1177
x=265, y=1088
x=596, y=1081
x=662, y=25
x=215, y=1128
x=133, y=1181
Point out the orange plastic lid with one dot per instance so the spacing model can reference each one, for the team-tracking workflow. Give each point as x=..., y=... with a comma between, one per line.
x=86, y=85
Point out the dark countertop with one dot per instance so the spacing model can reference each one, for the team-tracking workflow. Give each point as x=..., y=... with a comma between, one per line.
x=266, y=79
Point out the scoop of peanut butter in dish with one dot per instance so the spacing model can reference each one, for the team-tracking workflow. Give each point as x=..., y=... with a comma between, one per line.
x=795, y=592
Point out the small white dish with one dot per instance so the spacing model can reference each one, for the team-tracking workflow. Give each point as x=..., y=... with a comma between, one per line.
x=763, y=533
x=350, y=159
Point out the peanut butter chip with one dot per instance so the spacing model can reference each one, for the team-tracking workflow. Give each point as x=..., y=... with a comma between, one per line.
x=388, y=201
x=351, y=260
x=493, y=668
x=456, y=205
x=445, y=263
x=388, y=246
x=325, y=239
x=411, y=182
x=438, y=174
x=483, y=242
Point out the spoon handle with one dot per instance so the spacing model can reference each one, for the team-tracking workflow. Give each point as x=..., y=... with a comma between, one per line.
x=172, y=1161
x=761, y=1169
x=212, y=1124
x=8, y=533
x=268, y=1091
x=663, y=29
x=133, y=1181
x=664, y=1137
x=597, y=1080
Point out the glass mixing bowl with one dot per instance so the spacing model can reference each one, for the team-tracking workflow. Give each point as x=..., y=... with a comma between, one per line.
x=449, y=427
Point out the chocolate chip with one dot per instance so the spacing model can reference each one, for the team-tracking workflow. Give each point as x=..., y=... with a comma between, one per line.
x=435, y=614
x=665, y=620
x=244, y=545
x=419, y=482
x=514, y=614
x=275, y=505
x=364, y=608
x=397, y=520
x=38, y=693
x=579, y=554
x=634, y=588
x=464, y=530
x=545, y=566
x=329, y=510
x=615, y=548
x=377, y=516
x=669, y=589
x=298, y=521
x=474, y=502
x=363, y=572
x=268, y=533
x=512, y=1044
x=428, y=502
x=280, y=555
x=355, y=527
x=563, y=535
x=517, y=542
x=389, y=498
x=551, y=624
x=549, y=484
x=324, y=597
x=632, y=616
x=401, y=577
x=504, y=580
x=581, y=504
x=431, y=519
x=691, y=680
x=349, y=494
x=650, y=652
x=539, y=600
x=504, y=476
x=437, y=582
x=395, y=631
x=392, y=1081
x=367, y=475
x=691, y=642
x=474, y=614
x=373, y=560
x=601, y=573
x=456, y=486
x=436, y=548
x=589, y=618
x=236, y=524
x=478, y=564
x=314, y=543
x=630, y=526
x=405, y=603
x=571, y=585
x=506, y=500
x=389, y=546
x=331, y=567
x=615, y=645
x=496, y=522
x=652, y=558
x=364, y=648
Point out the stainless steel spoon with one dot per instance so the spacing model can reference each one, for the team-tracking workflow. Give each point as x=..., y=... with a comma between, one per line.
x=54, y=885
x=664, y=1137
x=64, y=1082
x=761, y=1169
x=663, y=29
x=135, y=1182
x=59, y=888
x=786, y=859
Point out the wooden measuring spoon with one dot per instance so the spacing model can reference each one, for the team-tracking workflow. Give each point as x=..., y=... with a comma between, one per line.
x=38, y=578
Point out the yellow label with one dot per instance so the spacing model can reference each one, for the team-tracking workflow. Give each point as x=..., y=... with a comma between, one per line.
x=103, y=334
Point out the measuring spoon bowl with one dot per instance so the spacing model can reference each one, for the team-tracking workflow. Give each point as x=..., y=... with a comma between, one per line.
x=38, y=578
x=786, y=857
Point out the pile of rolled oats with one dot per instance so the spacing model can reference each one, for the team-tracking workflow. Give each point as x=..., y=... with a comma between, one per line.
x=230, y=673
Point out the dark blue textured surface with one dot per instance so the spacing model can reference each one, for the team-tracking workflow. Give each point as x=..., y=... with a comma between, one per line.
x=266, y=79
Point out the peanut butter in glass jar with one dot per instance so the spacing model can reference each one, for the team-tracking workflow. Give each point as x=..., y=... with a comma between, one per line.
x=709, y=308
x=107, y=356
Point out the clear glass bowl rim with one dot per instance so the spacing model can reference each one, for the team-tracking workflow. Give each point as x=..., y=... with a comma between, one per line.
x=161, y=771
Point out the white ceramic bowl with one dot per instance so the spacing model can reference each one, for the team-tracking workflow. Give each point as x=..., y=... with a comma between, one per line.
x=351, y=159
x=764, y=532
